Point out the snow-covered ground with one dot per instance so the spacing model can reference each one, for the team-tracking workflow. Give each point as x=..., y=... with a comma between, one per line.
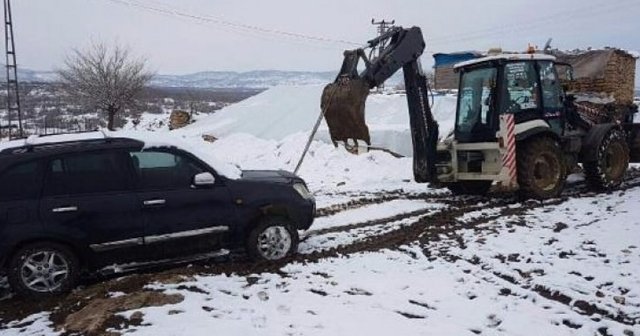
x=385, y=256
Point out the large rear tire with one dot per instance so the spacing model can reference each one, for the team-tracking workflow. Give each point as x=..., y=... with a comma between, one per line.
x=541, y=169
x=612, y=160
x=470, y=187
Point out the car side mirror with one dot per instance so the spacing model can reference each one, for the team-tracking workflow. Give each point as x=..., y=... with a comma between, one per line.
x=203, y=179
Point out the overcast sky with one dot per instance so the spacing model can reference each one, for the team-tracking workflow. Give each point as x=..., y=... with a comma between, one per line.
x=46, y=30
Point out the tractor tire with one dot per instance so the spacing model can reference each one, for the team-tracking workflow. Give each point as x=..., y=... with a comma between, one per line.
x=612, y=160
x=470, y=187
x=541, y=168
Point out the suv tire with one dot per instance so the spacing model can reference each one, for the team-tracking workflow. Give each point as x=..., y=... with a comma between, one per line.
x=43, y=269
x=273, y=239
x=541, y=169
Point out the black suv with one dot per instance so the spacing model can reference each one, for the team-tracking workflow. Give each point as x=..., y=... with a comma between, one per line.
x=92, y=205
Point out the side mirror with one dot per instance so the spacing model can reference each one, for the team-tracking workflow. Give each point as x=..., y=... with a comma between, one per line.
x=203, y=180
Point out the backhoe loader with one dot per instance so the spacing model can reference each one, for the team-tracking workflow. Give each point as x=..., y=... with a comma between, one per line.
x=515, y=128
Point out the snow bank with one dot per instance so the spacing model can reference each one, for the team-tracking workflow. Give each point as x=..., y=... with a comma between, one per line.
x=324, y=168
x=283, y=111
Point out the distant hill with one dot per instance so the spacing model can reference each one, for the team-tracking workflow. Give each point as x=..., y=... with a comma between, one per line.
x=28, y=75
x=250, y=79
x=213, y=79
x=258, y=79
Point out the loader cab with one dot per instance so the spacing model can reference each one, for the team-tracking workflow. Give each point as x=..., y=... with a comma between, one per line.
x=525, y=85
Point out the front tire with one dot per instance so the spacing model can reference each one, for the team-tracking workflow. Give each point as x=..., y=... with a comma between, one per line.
x=273, y=239
x=43, y=270
x=541, y=169
x=612, y=161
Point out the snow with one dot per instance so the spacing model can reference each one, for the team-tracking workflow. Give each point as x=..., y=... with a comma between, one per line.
x=149, y=122
x=283, y=111
x=544, y=57
x=35, y=140
x=197, y=147
x=483, y=270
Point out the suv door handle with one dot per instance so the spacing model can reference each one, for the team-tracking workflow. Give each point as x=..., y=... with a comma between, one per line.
x=65, y=209
x=155, y=202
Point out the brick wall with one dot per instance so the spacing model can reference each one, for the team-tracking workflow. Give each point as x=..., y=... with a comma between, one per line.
x=617, y=79
x=446, y=78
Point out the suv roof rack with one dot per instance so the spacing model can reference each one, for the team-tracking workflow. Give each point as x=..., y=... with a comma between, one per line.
x=30, y=143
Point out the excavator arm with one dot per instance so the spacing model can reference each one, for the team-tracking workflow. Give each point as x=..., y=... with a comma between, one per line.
x=343, y=101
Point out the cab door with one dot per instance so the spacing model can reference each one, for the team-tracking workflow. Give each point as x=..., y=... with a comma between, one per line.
x=552, y=95
x=521, y=91
x=180, y=218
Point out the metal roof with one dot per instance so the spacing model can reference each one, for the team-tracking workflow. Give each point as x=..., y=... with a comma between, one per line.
x=506, y=57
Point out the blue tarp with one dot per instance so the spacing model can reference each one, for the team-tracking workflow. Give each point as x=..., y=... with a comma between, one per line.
x=442, y=59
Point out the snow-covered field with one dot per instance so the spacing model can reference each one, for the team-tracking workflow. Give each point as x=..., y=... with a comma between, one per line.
x=385, y=256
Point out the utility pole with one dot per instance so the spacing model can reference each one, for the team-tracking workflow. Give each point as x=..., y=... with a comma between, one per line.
x=13, y=93
x=383, y=27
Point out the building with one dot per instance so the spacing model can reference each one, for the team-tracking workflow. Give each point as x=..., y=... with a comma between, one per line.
x=605, y=75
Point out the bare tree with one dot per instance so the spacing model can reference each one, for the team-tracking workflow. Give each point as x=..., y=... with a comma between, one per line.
x=105, y=79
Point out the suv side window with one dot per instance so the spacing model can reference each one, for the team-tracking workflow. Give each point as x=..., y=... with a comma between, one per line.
x=20, y=182
x=160, y=170
x=85, y=173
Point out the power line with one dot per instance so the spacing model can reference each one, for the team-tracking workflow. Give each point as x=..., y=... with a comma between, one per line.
x=563, y=17
x=233, y=25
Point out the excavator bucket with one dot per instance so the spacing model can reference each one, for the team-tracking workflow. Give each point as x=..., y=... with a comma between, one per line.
x=343, y=104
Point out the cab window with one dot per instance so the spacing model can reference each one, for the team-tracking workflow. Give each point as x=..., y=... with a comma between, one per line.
x=159, y=170
x=551, y=91
x=521, y=84
x=476, y=100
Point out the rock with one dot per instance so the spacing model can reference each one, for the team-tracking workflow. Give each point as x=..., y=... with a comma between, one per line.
x=136, y=318
x=209, y=138
x=92, y=318
x=179, y=119
x=619, y=299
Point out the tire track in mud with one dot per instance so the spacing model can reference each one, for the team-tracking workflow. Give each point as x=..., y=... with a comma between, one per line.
x=379, y=198
x=373, y=222
x=581, y=307
x=426, y=229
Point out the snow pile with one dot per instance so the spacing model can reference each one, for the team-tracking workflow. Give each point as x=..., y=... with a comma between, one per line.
x=283, y=111
x=324, y=168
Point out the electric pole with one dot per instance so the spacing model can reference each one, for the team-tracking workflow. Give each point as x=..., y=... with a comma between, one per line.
x=13, y=92
x=383, y=27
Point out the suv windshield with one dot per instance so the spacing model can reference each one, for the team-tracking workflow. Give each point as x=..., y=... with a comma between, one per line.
x=476, y=100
